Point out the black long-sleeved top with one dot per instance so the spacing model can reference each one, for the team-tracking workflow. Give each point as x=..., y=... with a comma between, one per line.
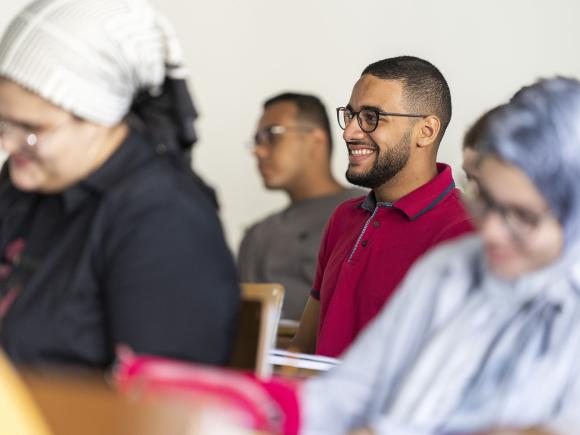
x=133, y=254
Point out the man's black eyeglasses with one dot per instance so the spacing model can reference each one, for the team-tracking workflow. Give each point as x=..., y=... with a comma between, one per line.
x=368, y=119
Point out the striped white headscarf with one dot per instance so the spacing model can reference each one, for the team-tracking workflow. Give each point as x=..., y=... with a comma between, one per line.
x=90, y=57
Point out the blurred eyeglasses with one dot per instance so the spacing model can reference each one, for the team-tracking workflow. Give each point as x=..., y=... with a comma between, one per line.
x=519, y=221
x=25, y=137
x=270, y=135
x=368, y=119
x=17, y=133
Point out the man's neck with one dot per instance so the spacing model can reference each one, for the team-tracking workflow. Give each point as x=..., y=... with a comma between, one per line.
x=405, y=182
x=314, y=189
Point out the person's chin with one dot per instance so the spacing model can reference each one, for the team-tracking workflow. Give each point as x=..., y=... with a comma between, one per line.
x=361, y=164
x=24, y=179
x=504, y=266
x=25, y=185
x=357, y=174
x=358, y=170
x=272, y=184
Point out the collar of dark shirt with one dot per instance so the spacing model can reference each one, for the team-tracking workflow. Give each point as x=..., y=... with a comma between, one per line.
x=133, y=152
x=421, y=200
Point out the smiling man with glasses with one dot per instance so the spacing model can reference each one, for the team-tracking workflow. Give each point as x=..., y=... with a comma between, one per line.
x=393, y=125
x=293, y=148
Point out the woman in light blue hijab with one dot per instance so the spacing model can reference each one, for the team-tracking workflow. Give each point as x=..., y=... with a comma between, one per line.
x=484, y=333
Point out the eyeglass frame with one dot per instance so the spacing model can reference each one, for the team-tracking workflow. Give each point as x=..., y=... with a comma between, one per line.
x=32, y=139
x=490, y=205
x=280, y=130
x=377, y=112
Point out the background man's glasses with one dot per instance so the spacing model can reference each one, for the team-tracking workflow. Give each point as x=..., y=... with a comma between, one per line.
x=368, y=119
x=270, y=135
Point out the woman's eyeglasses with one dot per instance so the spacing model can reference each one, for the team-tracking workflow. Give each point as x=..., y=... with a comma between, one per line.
x=520, y=222
x=27, y=138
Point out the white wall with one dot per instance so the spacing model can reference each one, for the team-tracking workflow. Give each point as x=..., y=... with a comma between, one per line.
x=241, y=52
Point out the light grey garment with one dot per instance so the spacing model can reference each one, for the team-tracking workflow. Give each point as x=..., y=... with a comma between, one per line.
x=460, y=351
x=283, y=248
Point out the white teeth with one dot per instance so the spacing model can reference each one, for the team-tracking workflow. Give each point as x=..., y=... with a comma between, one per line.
x=363, y=152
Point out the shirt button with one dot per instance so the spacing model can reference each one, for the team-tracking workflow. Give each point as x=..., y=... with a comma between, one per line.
x=364, y=243
x=376, y=224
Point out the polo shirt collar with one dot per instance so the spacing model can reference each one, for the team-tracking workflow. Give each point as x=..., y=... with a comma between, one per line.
x=421, y=200
x=370, y=202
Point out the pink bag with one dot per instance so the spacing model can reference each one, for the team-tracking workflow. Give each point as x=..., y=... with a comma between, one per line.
x=268, y=406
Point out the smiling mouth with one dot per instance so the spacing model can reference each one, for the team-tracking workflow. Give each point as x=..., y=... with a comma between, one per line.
x=360, y=149
x=360, y=152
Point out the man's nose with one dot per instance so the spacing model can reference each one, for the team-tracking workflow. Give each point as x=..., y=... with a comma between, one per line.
x=260, y=150
x=353, y=131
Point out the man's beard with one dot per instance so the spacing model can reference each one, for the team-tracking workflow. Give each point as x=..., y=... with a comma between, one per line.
x=387, y=164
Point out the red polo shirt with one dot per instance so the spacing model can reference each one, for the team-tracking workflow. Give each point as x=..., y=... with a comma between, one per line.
x=367, y=249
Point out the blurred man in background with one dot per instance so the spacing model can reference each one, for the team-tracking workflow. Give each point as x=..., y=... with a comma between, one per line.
x=293, y=147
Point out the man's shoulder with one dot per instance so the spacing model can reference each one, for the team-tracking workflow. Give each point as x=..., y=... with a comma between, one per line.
x=451, y=208
x=264, y=225
x=349, y=199
x=269, y=220
x=322, y=208
x=452, y=219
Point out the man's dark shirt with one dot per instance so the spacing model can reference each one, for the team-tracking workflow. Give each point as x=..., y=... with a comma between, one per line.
x=134, y=254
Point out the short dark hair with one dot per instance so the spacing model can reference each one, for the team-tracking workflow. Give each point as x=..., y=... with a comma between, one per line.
x=310, y=109
x=475, y=132
x=424, y=88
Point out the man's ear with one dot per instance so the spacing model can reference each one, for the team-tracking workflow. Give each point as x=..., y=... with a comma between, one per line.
x=319, y=140
x=430, y=126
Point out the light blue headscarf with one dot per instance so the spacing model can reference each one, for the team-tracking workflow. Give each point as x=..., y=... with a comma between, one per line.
x=539, y=132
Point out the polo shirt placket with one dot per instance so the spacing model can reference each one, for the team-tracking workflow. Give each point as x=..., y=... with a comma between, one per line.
x=367, y=223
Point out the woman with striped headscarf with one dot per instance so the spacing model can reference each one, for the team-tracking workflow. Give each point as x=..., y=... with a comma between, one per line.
x=106, y=235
